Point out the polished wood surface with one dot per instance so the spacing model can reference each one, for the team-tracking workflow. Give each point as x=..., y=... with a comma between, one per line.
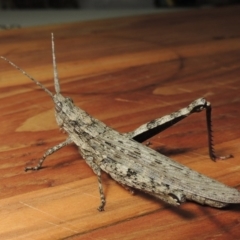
x=125, y=72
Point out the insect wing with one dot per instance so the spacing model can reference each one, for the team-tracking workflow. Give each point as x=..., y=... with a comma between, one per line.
x=139, y=166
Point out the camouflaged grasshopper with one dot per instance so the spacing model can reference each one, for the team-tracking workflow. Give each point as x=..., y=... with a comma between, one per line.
x=131, y=163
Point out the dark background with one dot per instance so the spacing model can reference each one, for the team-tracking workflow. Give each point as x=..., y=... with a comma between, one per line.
x=61, y=4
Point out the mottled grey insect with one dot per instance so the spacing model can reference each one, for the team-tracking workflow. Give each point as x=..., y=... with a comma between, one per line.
x=131, y=163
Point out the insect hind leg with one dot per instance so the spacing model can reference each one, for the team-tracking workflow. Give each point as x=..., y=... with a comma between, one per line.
x=158, y=125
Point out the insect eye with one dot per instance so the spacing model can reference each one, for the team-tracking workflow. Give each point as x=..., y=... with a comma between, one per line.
x=69, y=99
x=58, y=106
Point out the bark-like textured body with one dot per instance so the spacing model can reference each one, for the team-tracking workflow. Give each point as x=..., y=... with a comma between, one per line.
x=138, y=166
x=131, y=163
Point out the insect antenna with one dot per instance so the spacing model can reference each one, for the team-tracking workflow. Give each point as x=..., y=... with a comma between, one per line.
x=55, y=72
x=29, y=76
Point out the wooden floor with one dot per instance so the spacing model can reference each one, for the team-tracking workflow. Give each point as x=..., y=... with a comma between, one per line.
x=125, y=72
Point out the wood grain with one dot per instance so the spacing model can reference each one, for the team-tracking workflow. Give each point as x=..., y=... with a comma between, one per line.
x=125, y=72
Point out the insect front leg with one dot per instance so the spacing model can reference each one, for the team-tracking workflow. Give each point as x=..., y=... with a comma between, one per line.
x=158, y=125
x=49, y=152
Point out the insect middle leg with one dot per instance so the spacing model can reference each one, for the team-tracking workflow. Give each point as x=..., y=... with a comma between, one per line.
x=97, y=170
x=49, y=152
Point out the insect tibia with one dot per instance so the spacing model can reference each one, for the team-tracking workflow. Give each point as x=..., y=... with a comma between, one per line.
x=211, y=150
